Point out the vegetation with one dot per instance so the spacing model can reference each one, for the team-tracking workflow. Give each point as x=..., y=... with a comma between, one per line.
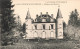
x=10, y=27
x=72, y=29
x=8, y=23
x=42, y=45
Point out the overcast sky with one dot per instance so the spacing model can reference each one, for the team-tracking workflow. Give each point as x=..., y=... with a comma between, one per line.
x=50, y=6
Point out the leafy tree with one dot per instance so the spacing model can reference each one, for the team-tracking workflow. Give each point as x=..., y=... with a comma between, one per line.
x=73, y=25
x=18, y=24
x=24, y=28
x=73, y=17
x=64, y=25
x=66, y=35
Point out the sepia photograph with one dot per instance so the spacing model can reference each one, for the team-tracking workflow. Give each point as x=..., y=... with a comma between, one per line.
x=39, y=24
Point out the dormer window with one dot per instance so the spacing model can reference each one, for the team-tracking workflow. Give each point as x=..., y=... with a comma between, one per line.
x=43, y=20
x=51, y=20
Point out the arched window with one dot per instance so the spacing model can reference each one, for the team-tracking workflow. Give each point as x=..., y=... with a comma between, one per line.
x=43, y=34
x=35, y=34
x=52, y=35
x=49, y=27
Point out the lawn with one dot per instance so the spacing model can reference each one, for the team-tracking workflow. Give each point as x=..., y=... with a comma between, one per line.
x=43, y=45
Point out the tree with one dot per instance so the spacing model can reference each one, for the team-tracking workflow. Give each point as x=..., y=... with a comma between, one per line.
x=64, y=25
x=24, y=28
x=66, y=37
x=18, y=24
x=7, y=21
x=73, y=25
x=73, y=18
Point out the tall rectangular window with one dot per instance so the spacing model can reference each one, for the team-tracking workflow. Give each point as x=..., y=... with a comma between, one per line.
x=35, y=26
x=43, y=26
x=51, y=26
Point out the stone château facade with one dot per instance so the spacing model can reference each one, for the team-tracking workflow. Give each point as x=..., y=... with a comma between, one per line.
x=45, y=26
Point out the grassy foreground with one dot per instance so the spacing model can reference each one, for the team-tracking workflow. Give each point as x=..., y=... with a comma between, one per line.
x=42, y=45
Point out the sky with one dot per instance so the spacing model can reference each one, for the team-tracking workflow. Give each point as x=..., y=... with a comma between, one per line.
x=50, y=6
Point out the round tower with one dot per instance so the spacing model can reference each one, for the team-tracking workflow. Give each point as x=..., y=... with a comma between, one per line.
x=28, y=21
x=59, y=23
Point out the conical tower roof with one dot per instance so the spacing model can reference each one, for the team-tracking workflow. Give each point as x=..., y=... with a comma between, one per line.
x=28, y=15
x=59, y=15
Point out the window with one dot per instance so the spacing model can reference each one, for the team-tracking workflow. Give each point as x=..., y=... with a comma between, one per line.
x=26, y=25
x=60, y=24
x=52, y=35
x=60, y=27
x=35, y=35
x=60, y=32
x=43, y=34
x=35, y=26
x=51, y=26
x=43, y=26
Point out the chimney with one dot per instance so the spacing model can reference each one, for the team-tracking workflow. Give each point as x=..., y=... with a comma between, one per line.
x=51, y=15
x=46, y=13
x=41, y=13
x=37, y=16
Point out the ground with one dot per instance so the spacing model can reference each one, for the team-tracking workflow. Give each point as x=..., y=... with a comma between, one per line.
x=53, y=44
